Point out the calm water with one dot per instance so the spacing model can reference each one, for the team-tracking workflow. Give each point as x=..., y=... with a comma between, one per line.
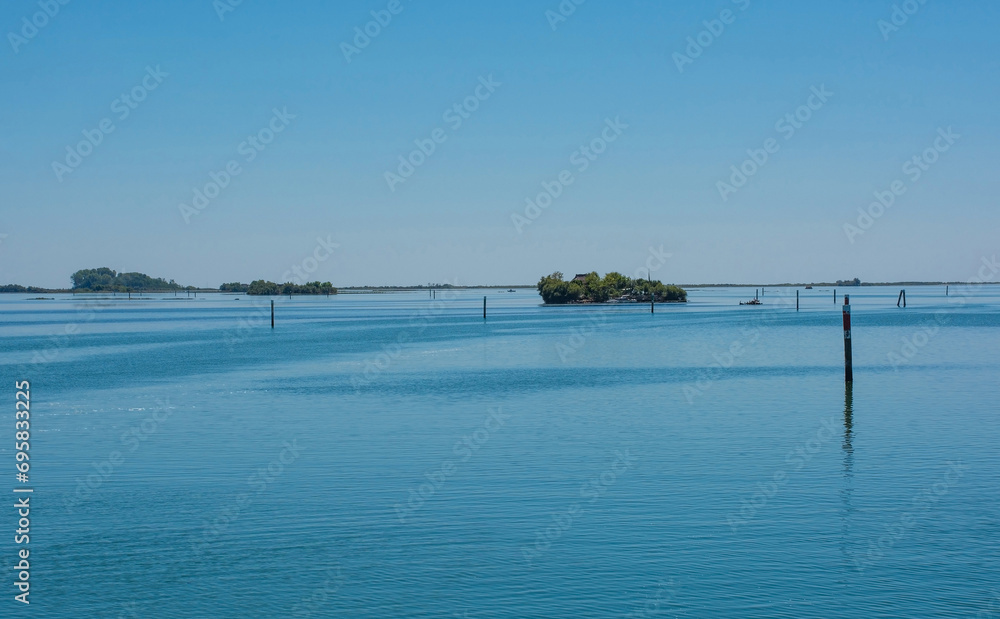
x=395, y=456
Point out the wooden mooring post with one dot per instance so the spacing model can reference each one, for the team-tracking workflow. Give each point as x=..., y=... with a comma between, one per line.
x=484, y=308
x=272, y=313
x=848, y=353
x=902, y=298
x=796, y=300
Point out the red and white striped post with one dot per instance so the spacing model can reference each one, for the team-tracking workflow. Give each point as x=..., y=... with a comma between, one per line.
x=848, y=356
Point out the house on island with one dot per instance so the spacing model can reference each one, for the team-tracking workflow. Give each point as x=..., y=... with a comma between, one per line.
x=580, y=277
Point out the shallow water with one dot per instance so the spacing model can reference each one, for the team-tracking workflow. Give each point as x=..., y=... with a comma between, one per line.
x=584, y=461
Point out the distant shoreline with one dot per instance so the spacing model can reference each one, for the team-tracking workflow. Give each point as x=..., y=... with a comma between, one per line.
x=833, y=285
x=377, y=289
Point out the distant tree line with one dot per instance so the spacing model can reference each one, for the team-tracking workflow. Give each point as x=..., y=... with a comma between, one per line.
x=849, y=282
x=17, y=288
x=612, y=287
x=109, y=280
x=266, y=288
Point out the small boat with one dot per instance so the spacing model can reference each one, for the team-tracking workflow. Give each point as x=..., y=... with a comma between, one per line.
x=511, y=290
x=809, y=287
x=751, y=302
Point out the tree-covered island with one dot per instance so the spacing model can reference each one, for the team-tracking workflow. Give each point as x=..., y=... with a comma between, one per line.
x=109, y=280
x=613, y=287
x=266, y=288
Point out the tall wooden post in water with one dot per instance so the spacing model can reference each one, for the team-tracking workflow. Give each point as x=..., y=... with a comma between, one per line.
x=484, y=308
x=796, y=300
x=848, y=353
x=272, y=313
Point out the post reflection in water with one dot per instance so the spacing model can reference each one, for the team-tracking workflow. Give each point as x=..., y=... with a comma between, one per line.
x=848, y=489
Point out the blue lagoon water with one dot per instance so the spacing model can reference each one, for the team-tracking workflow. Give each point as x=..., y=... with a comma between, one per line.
x=394, y=455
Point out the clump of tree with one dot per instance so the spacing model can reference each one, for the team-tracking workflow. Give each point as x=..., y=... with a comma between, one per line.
x=612, y=287
x=109, y=280
x=849, y=282
x=234, y=287
x=266, y=288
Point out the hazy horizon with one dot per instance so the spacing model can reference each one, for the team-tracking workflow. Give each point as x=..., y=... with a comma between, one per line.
x=538, y=94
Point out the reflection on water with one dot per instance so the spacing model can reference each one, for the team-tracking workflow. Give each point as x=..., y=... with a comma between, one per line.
x=848, y=488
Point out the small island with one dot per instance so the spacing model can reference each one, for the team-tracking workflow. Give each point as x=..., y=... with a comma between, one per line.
x=265, y=288
x=612, y=288
x=109, y=280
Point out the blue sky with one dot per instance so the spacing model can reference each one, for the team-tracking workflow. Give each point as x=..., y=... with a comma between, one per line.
x=554, y=90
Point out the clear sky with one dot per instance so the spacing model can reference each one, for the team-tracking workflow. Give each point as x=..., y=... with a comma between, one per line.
x=208, y=83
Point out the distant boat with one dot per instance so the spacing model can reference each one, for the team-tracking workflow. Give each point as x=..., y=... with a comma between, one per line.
x=511, y=290
x=809, y=287
x=751, y=302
